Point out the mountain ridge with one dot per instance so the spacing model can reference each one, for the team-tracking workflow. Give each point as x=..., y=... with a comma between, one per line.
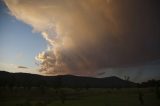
x=26, y=79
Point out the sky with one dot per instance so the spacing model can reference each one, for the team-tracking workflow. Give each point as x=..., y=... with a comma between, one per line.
x=97, y=38
x=18, y=44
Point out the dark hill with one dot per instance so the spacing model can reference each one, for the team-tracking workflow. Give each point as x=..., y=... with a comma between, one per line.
x=24, y=79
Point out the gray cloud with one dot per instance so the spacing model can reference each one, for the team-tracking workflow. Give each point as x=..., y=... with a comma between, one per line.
x=22, y=67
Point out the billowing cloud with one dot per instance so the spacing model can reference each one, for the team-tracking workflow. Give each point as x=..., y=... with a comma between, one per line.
x=88, y=35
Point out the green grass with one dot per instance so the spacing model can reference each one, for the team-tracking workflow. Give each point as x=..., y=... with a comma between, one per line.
x=77, y=97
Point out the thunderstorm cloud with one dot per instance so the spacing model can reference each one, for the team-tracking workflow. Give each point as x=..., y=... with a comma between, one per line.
x=85, y=36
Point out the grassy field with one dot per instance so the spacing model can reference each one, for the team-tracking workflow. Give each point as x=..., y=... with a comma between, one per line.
x=77, y=97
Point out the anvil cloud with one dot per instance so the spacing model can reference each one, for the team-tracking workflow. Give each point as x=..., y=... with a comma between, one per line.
x=85, y=36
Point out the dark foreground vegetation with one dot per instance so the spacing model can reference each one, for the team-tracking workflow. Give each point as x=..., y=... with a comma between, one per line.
x=78, y=97
x=33, y=90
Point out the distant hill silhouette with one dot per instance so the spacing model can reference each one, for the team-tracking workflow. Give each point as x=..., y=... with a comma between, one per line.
x=150, y=83
x=28, y=80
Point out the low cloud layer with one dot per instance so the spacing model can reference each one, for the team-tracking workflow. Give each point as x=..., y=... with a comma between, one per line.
x=22, y=67
x=85, y=36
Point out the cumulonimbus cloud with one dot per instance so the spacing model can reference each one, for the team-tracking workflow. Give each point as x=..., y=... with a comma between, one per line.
x=87, y=35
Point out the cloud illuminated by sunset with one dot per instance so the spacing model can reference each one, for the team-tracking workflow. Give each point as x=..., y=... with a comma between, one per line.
x=85, y=36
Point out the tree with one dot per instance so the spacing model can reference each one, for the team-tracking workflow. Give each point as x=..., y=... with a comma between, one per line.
x=62, y=96
x=127, y=78
x=140, y=97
